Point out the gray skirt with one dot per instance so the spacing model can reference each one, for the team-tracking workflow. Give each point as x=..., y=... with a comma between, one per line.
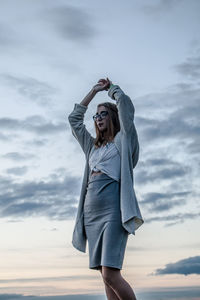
x=106, y=236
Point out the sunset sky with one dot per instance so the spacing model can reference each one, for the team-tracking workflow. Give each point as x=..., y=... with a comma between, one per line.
x=51, y=54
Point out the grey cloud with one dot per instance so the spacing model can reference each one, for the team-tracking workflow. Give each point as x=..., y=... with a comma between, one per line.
x=158, y=202
x=54, y=198
x=162, y=104
x=168, y=128
x=17, y=170
x=167, y=173
x=179, y=124
x=186, y=266
x=190, y=68
x=72, y=23
x=31, y=88
x=160, y=162
x=160, y=169
x=15, y=156
x=173, y=219
x=194, y=147
x=38, y=142
x=5, y=137
x=170, y=118
x=36, y=124
x=151, y=197
x=26, y=209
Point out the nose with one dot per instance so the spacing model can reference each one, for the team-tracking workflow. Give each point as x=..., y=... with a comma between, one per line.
x=99, y=117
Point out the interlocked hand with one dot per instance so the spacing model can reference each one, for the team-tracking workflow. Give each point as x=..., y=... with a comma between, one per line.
x=103, y=84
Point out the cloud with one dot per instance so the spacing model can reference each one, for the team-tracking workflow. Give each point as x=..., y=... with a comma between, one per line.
x=194, y=147
x=177, y=125
x=186, y=266
x=158, y=202
x=38, y=142
x=190, y=68
x=169, y=119
x=55, y=198
x=6, y=137
x=168, y=129
x=72, y=23
x=161, y=7
x=174, y=218
x=15, y=156
x=31, y=88
x=17, y=170
x=35, y=124
x=152, y=170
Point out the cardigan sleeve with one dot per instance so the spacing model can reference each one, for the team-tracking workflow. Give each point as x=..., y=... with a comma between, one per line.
x=125, y=107
x=126, y=112
x=79, y=131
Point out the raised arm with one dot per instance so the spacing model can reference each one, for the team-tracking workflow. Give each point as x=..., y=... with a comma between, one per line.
x=76, y=117
x=125, y=107
x=126, y=113
x=78, y=128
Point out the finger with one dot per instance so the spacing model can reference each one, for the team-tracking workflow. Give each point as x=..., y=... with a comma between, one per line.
x=109, y=81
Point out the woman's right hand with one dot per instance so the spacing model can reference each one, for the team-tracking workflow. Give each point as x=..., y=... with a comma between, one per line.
x=102, y=85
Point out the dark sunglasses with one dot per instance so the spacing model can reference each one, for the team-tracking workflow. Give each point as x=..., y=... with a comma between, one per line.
x=102, y=114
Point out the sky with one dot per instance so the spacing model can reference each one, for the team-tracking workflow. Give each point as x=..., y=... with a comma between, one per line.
x=51, y=55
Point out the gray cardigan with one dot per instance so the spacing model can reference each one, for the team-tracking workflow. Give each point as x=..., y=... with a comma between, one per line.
x=126, y=141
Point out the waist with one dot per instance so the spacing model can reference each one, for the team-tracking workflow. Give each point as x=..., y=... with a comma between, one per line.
x=96, y=172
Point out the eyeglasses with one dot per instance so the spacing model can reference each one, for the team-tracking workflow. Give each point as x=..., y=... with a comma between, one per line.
x=102, y=114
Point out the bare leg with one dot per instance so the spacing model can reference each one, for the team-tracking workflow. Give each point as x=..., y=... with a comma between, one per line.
x=109, y=291
x=112, y=277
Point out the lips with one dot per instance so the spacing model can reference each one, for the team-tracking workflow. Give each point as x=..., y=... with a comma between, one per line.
x=100, y=124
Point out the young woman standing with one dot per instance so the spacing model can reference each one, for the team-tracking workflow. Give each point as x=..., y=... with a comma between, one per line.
x=108, y=210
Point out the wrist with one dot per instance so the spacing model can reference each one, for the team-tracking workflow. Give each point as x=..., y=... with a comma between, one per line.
x=111, y=85
x=93, y=91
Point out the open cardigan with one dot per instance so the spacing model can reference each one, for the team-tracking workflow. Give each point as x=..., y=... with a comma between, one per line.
x=126, y=141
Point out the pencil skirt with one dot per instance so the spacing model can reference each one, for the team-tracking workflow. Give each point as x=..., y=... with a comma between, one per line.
x=106, y=236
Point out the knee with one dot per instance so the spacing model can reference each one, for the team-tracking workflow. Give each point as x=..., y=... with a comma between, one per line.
x=107, y=279
x=110, y=276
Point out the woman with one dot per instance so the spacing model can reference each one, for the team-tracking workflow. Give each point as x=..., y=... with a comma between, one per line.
x=108, y=210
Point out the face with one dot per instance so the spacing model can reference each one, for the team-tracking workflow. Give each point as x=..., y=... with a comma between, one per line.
x=102, y=123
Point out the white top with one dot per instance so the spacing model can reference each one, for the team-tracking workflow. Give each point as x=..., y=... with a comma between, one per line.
x=107, y=160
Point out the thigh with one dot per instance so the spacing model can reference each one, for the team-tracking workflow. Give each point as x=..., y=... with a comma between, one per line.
x=114, y=241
